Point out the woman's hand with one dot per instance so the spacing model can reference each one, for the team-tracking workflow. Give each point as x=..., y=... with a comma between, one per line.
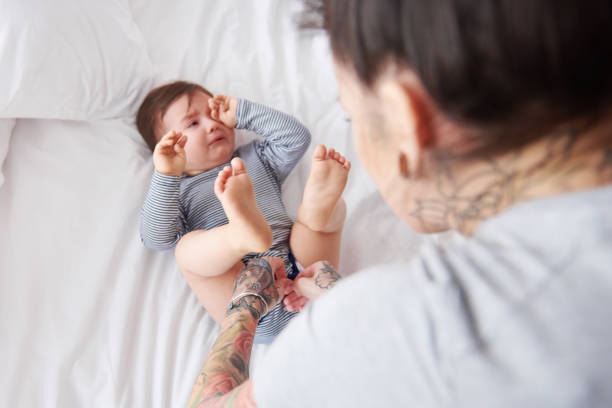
x=311, y=283
x=223, y=109
x=264, y=278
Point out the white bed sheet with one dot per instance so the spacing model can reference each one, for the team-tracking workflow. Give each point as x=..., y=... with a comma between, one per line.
x=89, y=317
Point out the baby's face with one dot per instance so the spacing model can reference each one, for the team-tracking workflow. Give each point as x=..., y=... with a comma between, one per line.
x=209, y=143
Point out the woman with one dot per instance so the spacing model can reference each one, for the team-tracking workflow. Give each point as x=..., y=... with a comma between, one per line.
x=493, y=119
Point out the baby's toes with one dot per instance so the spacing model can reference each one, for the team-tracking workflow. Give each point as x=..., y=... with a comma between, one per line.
x=222, y=180
x=219, y=187
x=227, y=171
x=320, y=152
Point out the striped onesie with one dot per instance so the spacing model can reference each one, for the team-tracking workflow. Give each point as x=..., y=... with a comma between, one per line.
x=177, y=205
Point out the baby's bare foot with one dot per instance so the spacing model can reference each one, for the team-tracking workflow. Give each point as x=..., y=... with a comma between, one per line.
x=250, y=230
x=322, y=208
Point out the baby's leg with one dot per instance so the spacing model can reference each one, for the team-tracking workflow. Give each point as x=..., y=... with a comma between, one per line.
x=210, y=260
x=215, y=292
x=316, y=234
x=213, y=252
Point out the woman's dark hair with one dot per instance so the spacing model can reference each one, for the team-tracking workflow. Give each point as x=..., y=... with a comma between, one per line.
x=488, y=63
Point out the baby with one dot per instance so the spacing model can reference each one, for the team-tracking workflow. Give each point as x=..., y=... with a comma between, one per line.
x=220, y=206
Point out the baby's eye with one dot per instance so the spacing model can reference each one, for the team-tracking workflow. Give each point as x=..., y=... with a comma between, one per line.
x=193, y=123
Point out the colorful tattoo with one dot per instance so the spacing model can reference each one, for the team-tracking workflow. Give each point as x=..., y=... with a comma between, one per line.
x=227, y=365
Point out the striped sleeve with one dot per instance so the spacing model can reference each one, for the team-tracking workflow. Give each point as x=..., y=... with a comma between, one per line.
x=286, y=139
x=162, y=221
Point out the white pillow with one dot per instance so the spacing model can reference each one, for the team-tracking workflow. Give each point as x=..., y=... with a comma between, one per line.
x=6, y=130
x=70, y=59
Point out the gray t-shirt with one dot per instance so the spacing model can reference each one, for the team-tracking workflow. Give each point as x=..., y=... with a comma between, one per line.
x=518, y=315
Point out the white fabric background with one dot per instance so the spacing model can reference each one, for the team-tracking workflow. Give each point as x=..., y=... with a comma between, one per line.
x=89, y=317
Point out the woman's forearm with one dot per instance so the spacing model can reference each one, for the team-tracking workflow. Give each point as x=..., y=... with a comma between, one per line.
x=227, y=365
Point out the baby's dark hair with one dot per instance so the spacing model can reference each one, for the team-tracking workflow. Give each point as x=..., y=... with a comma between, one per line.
x=156, y=103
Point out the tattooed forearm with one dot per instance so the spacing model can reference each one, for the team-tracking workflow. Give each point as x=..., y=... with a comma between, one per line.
x=257, y=277
x=326, y=276
x=251, y=303
x=227, y=365
x=240, y=397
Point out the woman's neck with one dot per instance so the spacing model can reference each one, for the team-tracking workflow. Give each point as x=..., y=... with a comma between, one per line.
x=569, y=159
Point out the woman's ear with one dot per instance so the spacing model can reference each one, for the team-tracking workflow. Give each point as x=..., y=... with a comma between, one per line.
x=408, y=114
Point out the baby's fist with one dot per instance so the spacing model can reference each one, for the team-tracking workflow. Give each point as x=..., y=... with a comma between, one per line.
x=223, y=109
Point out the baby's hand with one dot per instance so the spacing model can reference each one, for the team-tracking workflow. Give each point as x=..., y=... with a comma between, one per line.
x=169, y=154
x=223, y=109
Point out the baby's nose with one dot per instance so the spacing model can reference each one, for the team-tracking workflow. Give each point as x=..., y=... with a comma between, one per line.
x=210, y=125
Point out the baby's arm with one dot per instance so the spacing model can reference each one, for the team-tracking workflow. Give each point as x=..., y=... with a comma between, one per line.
x=161, y=219
x=286, y=139
x=162, y=222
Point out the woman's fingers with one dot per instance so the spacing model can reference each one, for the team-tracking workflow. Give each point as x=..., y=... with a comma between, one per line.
x=302, y=303
x=293, y=301
x=292, y=297
x=283, y=286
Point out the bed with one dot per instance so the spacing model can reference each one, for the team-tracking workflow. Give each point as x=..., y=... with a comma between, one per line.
x=89, y=317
